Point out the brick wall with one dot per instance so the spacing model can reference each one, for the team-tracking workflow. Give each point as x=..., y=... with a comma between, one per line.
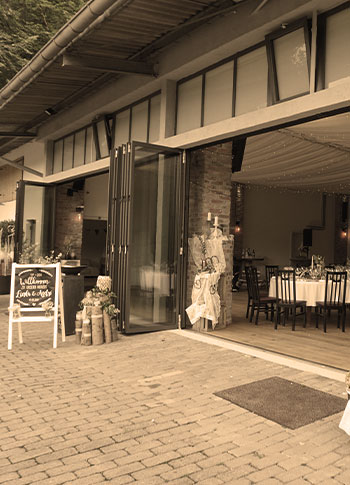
x=9, y=177
x=210, y=191
x=68, y=223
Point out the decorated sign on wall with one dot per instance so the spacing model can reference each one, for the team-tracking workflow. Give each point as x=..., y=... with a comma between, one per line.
x=34, y=286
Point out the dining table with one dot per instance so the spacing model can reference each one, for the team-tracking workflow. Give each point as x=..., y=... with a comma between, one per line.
x=309, y=290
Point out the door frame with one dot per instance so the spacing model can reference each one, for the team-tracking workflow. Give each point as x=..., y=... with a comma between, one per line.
x=20, y=201
x=120, y=225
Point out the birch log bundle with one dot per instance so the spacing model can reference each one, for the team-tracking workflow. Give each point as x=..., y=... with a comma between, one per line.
x=107, y=327
x=97, y=325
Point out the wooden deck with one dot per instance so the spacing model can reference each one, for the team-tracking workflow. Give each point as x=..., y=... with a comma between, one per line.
x=311, y=344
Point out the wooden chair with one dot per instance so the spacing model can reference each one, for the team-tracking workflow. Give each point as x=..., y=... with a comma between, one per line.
x=270, y=270
x=256, y=302
x=287, y=304
x=334, y=298
x=249, y=290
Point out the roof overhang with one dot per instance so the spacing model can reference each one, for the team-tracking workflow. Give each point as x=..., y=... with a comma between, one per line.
x=106, y=39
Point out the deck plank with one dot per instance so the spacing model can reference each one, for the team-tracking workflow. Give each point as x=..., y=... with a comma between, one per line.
x=311, y=344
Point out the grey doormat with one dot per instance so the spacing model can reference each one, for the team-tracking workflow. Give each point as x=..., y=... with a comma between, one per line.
x=287, y=403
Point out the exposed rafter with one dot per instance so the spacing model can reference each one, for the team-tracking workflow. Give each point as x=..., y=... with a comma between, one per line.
x=24, y=134
x=220, y=7
x=17, y=164
x=259, y=7
x=105, y=64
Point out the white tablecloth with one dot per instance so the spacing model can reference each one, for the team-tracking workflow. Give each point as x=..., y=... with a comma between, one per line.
x=309, y=290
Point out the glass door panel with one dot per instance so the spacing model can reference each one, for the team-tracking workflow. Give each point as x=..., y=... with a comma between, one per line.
x=153, y=249
x=35, y=206
x=148, y=228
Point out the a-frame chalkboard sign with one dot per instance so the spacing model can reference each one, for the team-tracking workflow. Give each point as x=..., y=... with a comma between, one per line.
x=36, y=296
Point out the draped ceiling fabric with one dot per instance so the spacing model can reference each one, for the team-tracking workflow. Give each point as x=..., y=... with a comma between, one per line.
x=310, y=156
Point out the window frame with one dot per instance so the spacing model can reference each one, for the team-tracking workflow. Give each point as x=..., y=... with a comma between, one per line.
x=132, y=105
x=321, y=44
x=106, y=119
x=272, y=68
x=233, y=58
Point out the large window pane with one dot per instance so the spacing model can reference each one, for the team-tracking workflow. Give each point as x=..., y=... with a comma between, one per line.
x=139, y=121
x=189, y=103
x=68, y=146
x=218, y=94
x=122, y=127
x=337, y=46
x=57, y=156
x=79, y=148
x=102, y=139
x=37, y=218
x=154, y=121
x=251, y=81
x=90, y=150
x=291, y=64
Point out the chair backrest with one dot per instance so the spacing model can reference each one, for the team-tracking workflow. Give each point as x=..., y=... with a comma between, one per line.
x=285, y=286
x=248, y=280
x=252, y=282
x=270, y=270
x=335, y=289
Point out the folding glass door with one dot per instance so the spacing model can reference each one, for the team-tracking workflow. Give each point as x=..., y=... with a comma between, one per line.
x=35, y=213
x=145, y=235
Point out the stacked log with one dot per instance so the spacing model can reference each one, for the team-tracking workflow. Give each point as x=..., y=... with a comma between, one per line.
x=86, y=337
x=97, y=325
x=107, y=327
x=78, y=326
x=114, y=329
x=100, y=311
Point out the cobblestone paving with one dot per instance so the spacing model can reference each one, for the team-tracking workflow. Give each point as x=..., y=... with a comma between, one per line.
x=143, y=410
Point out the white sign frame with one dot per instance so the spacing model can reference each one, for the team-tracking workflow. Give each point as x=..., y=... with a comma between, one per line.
x=57, y=308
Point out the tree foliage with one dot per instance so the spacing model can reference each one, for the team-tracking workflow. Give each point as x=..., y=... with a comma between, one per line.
x=25, y=26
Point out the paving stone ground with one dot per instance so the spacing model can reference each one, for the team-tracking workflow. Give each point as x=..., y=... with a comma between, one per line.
x=143, y=410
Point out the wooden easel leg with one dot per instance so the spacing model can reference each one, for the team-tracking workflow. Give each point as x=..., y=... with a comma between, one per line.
x=9, y=344
x=63, y=330
x=55, y=330
x=20, y=336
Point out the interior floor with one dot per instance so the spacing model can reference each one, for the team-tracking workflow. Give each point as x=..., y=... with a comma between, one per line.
x=310, y=343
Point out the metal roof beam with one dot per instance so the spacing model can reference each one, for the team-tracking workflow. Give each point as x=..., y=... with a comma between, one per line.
x=17, y=164
x=24, y=134
x=108, y=65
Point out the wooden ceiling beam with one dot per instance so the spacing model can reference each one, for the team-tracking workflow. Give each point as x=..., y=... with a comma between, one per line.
x=108, y=65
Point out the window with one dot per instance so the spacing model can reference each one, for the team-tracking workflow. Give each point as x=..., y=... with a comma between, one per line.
x=139, y=121
x=57, y=156
x=251, y=81
x=68, y=148
x=79, y=148
x=90, y=153
x=218, y=93
x=235, y=86
x=154, y=119
x=102, y=138
x=122, y=127
x=337, y=60
x=289, y=54
x=189, y=105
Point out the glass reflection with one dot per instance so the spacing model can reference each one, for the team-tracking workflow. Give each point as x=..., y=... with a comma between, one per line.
x=152, y=254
